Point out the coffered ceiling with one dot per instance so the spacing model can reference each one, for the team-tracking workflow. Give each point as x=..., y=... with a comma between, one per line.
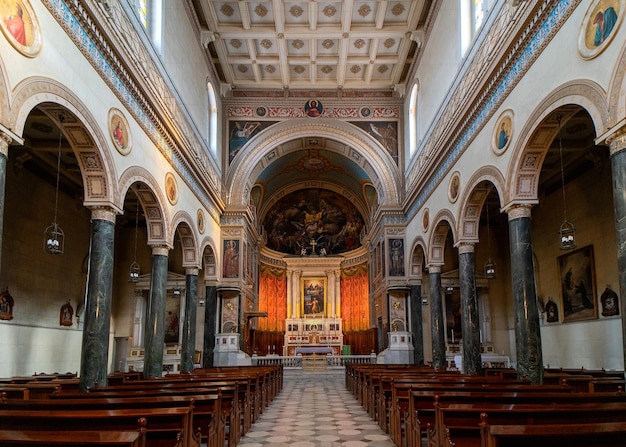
x=313, y=44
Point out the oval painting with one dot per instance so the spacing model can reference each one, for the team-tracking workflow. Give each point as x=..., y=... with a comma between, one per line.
x=171, y=189
x=599, y=26
x=20, y=26
x=118, y=131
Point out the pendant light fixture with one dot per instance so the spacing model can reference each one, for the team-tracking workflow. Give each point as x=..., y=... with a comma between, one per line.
x=134, y=267
x=567, y=232
x=54, y=238
x=490, y=266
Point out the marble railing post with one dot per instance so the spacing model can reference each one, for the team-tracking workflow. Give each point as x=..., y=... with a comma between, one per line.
x=436, y=315
x=210, y=315
x=617, y=146
x=416, y=324
x=154, y=339
x=97, y=319
x=189, y=325
x=470, y=322
x=527, y=332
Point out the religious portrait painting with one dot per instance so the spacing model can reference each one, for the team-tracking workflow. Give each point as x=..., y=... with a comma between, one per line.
x=231, y=259
x=455, y=187
x=313, y=296
x=65, y=316
x=172, y=319
x=200, y=221
x=20, y=26
x=171, y=189
x=385, y=132
x=6, y=305
x=313, y=108
x=240, y=132
x=425, y=219
x=599, y=26
x=396, y=257
x=118, y=131
x=578, y=287
x=502, y=133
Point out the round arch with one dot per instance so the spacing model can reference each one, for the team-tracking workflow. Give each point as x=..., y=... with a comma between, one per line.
x=152, y=201
x=358, y=147
x=617, y=91
x=539, y=131
x=183, y=224
x=79, y=127
x=418, y=260
x=472, y=200
x=436, y=247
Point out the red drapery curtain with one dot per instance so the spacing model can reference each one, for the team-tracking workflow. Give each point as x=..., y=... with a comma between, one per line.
x=355, y=310
x=272, y=299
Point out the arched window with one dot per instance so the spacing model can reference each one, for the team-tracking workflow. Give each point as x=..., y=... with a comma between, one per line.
x=473, y=14
x=413, y=121
x=212, y=138
x=150, y=15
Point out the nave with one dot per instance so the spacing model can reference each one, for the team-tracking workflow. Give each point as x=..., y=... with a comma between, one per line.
x=315, y=409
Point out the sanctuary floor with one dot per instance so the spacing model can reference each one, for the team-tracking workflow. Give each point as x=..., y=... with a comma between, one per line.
x=315, y=409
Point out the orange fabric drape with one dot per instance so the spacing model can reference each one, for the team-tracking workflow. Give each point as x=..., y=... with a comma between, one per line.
x=355, y=309
x=272, y=299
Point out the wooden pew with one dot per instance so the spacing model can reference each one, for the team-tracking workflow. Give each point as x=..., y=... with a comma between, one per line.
x=166, y=427
x=602, y=434
x=459, y=424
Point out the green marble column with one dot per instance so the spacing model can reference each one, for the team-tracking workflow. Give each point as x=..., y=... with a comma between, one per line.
x=210, y=318
x=527, y=332
x=436, y=315
x=416, y=324
x=470, y=323
x=154, y=340
x=97, y=317
x=189, y=325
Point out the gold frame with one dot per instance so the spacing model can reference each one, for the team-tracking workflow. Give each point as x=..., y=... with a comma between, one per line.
x=579, y=300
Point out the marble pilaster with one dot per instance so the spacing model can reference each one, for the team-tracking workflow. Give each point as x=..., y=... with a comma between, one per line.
x=189, y=324
x=470, y=322
x=97, y=318
x=154, y=340
x=618, y=168
x=5, y=140
x=436, y=315
x=210, y=316
x=416, y=324
x=527, y=331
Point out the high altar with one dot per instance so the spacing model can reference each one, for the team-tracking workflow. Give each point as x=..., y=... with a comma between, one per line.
x=313, y=324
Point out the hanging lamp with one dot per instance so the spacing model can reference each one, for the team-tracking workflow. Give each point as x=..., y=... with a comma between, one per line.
x=134, y=267
x=54, y=238
x=567, y=232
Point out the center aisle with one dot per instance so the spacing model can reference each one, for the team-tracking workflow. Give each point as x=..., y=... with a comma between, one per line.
x=315, y=409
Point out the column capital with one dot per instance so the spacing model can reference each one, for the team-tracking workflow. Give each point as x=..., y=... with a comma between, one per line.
x=466, y=247
x=103, y=213
x=614, y=138
x=191, y=271
x=518, y=210
x=5, y=140
x=434, y=268
x=162, y=250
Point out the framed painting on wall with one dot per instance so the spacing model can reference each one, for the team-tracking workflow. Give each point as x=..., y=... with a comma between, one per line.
x=578, y=285
x=313, y=297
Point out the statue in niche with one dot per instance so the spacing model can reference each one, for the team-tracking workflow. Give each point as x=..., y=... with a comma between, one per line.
x=6, y=306
x=66, y=314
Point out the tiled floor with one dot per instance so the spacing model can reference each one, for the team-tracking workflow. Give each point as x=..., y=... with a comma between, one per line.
x=315, y=409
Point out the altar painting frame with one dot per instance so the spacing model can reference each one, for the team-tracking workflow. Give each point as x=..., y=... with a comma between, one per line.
x=313, y=297
x=578, y=285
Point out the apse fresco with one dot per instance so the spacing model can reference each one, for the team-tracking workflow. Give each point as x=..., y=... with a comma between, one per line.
x=313, y=222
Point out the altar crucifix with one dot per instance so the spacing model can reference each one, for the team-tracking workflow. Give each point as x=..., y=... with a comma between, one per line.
x=313, y=245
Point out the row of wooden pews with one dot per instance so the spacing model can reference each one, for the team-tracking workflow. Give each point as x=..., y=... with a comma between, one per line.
x=211, y=407
x=420, y=406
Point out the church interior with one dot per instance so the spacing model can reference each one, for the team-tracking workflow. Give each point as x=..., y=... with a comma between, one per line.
x=196, y=184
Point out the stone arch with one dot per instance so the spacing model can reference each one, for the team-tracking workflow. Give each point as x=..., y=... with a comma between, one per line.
x=357, y=146
x=617, y=91
x=437, y=245
x=417, y=264
x=152, y=201
x=4, y=92
x=208, y=264
x=79, y=127
x=183, y=224
x=539, y=131
x=472, y=200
